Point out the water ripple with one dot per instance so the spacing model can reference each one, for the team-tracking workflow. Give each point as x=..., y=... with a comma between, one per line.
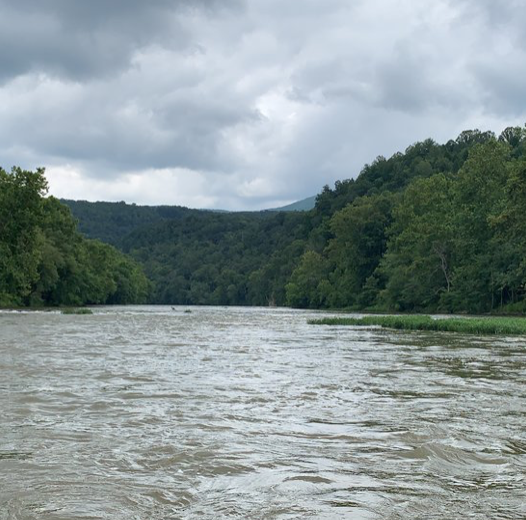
x=150, y=413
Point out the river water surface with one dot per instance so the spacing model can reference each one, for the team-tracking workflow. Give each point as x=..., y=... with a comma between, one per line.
x=154, y=413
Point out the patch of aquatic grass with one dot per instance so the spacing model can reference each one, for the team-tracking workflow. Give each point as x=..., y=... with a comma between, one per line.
x=81, y=310
x=490, y=325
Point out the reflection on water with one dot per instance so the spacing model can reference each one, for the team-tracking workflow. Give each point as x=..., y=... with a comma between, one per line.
x=153, y=413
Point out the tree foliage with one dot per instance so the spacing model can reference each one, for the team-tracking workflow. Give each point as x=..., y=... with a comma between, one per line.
x=435, y=228
x=44, y=260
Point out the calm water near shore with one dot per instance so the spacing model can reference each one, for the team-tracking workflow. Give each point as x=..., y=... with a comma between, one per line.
x=154, y=413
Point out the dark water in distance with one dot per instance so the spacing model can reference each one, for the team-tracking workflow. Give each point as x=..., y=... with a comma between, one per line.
x=149, y=413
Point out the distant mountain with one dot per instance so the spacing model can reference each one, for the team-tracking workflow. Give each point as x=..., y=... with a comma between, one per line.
x=301, y=205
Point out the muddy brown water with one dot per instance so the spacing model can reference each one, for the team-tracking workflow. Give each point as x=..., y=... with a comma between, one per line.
x=154, y=413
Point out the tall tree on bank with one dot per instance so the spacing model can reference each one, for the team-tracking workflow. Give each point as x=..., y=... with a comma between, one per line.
x=21, y=195
x=417, y=265
x=479, y=197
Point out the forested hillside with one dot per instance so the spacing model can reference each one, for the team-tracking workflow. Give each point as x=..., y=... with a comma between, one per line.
x=112, y=221
x=438, y=227
x=204, y=257
x=44, y=260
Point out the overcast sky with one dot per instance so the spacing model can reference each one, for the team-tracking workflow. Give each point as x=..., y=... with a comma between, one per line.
x=245, y=104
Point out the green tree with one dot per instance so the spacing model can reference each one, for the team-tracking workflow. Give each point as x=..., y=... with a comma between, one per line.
x=308, y=283
x=419, y=258
x=479, y=197
x=359, y=242
x=45, y=261
x=21, y=193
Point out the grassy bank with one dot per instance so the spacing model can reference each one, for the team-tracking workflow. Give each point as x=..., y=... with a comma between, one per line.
x=77, y=310
x=490, y=325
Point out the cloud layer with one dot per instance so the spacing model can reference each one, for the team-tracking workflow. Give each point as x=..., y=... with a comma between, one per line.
x=245, y=104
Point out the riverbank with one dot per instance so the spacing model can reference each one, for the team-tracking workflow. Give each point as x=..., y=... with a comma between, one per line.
x=61, y=310
x=478, y=325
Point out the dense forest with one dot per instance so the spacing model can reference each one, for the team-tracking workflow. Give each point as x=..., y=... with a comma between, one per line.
x=44, y=260
x=204, y=257
x=440, y=227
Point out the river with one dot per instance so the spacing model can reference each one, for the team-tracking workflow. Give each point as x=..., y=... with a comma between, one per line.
x=158, y=413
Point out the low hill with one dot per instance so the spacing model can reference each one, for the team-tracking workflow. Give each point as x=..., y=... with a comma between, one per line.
x=301, y=205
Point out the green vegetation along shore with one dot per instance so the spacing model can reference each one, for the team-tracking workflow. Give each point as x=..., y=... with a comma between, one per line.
x=436, y=228
x=45, y=261
x=490, y=325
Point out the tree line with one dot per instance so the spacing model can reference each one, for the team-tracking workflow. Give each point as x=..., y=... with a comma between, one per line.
x=44, y=260
x=439, y=227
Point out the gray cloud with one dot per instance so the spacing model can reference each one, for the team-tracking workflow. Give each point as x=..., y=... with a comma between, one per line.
x=493, y=13
x=82, y=40
x=503, y=86
x=243, y=103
